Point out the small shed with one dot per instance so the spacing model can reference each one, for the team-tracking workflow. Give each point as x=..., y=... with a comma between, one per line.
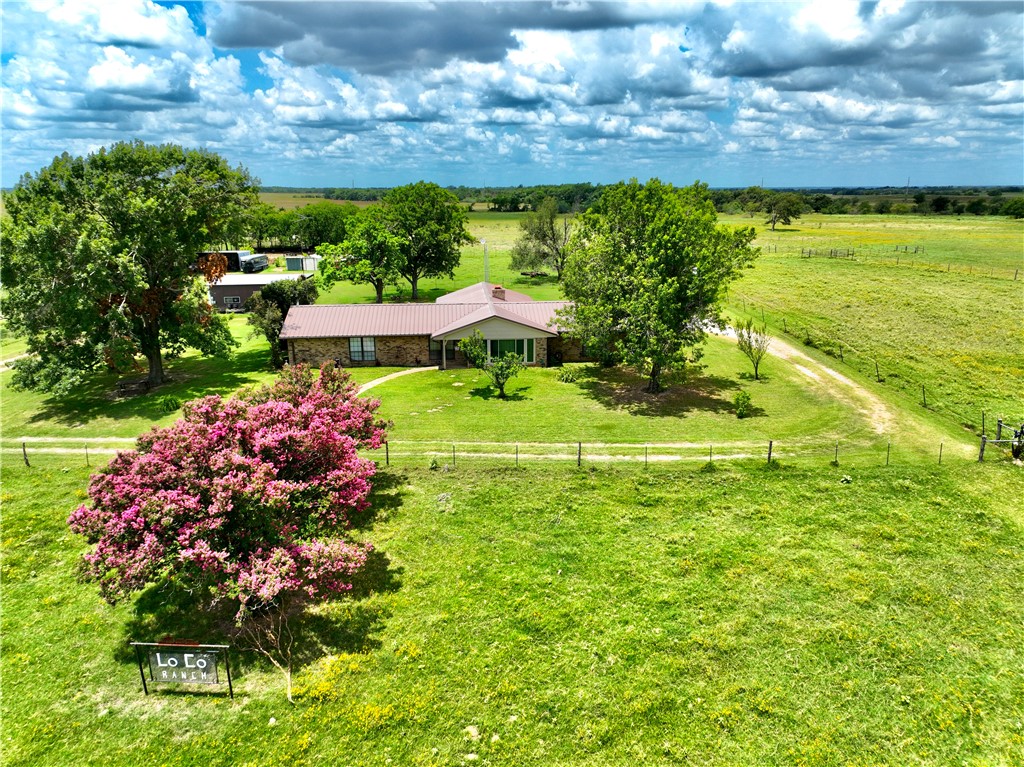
x=231, y=291
x=302, y=263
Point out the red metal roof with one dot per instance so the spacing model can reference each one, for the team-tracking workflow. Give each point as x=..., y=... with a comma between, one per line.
x=348, y=320
x=481, y=293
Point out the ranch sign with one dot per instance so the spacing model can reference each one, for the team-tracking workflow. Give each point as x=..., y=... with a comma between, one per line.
x=182, y=663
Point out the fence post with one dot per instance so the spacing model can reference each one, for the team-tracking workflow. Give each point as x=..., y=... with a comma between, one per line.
x=24, y=454
x=387, y=454
x=924, y=397
x=86, y=455
x=981, y=453
x=888, y=448
x=983, y=422
x=837, y=453
x=841, y=352
x=710, y=453
x=579, y=454
x=784, y=328
x=769, y=452
x=645, y=456
x=999, y=429
x=878, y=376
x=940, y=454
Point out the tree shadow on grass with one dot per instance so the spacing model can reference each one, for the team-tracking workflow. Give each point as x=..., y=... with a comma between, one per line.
x=349, y=624
x=386, y=496
x=620, y=389
x=489, y=393
x=525, y=280
x=189, y=379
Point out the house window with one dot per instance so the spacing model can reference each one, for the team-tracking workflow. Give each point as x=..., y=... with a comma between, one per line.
x=362, y=349
x=232, y=300
x=523, y=347
x=435, y=351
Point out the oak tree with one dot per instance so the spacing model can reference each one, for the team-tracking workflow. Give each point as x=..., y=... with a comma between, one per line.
x=647, y=272
x=371, y=254
x=430, y=223
x=100, y=259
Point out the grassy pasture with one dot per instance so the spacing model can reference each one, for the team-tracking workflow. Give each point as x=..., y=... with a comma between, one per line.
x=968, y=243
x=957, y=333
x=292, y=200
x=550, y=615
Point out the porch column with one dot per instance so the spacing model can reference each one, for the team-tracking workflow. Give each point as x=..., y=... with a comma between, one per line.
x=444, y=354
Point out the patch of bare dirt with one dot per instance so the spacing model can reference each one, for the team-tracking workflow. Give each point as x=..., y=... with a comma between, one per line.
x=835, y=383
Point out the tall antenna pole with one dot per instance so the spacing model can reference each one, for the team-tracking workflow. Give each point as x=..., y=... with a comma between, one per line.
x=487, y=277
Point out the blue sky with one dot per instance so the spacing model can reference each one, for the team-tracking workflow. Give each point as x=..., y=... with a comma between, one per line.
x=733, y=93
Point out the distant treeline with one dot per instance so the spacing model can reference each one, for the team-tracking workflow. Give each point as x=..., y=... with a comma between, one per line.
x=950, y=200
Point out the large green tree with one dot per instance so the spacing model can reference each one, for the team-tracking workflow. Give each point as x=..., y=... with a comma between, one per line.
x=100, y=259
x=647, y=272
x=371, y=254
x=430, y=223
x=321, y=222
x=783, y=208
x=544, y=241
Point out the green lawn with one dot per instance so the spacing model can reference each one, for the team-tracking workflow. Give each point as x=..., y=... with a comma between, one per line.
x=553, y=616
x=11, y=346
x=93, y=411
x=432, y=409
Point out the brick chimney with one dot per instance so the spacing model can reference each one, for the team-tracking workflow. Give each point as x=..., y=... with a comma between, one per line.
x=498, y=292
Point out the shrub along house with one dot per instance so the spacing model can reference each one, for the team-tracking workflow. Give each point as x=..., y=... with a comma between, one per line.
x=410, y=335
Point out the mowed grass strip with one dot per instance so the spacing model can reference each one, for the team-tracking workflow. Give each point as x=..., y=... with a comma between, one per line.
x=556, y=616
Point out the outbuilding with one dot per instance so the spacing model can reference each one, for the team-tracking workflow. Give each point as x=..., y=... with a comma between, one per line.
x=231, y=291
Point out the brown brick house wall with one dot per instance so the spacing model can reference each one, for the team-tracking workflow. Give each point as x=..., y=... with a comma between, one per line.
x=393, y=351
x=570, y=349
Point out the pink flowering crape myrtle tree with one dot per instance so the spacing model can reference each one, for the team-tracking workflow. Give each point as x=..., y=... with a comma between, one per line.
x=244, y=501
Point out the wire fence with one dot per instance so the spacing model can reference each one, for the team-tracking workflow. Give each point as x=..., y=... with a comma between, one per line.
x=904, y=256
x=449, y=455
x=884, y=371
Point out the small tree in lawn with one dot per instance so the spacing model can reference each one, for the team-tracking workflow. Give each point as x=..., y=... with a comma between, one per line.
x=753, y=342
x=500, y=370
x=544, y=241
x=243, y=503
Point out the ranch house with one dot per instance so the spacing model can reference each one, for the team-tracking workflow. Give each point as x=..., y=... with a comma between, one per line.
x=413, y=335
